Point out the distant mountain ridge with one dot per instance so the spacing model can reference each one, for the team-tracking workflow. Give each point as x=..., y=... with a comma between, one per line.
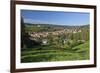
x=60, y=26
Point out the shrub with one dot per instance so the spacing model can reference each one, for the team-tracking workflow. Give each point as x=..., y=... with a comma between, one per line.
x=66, y=46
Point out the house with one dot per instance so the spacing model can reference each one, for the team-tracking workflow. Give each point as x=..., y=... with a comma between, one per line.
x=44, y=41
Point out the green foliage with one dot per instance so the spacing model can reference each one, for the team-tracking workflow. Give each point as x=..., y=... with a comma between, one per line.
x=25, y=38
x=49, y=53
x=66, y=46
x=82, y=47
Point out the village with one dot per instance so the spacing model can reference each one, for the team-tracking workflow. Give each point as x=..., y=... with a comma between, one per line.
x=55, y=33
x=44, y=35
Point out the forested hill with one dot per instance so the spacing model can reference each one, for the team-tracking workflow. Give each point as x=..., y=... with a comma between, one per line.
x=56, y=26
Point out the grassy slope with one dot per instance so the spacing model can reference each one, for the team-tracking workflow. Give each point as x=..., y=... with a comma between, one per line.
x=80, y=52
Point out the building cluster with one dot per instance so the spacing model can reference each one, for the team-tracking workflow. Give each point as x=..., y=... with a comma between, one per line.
x=55, y=33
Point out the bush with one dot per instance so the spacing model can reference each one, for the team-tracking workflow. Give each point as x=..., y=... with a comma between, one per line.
x=66, y=46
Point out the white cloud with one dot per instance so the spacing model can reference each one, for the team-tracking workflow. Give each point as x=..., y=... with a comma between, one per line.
x=35, y=21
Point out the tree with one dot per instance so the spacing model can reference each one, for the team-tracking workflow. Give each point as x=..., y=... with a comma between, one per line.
x=22, y=33
x=25, y=38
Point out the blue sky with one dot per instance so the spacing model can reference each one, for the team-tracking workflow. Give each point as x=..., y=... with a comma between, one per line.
x=53, y=17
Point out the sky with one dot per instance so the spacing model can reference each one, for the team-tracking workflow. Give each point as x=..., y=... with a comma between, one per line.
x=53, y=17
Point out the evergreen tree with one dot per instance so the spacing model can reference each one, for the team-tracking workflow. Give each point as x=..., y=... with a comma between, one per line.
x=26, y=42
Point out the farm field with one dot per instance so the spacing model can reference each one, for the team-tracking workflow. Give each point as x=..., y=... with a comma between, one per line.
x=49, y=53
